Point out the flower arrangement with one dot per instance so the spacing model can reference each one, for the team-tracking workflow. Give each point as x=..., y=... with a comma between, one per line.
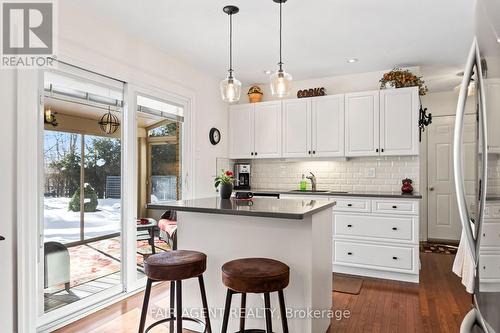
x=225, y=180
x=400, y=78
x=225, y=177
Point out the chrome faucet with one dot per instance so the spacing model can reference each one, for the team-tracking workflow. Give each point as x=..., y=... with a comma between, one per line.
x=312, y=178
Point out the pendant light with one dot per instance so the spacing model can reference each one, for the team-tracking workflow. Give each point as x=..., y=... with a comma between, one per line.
x=281, y=81
x=109, y=122
x=230, y=88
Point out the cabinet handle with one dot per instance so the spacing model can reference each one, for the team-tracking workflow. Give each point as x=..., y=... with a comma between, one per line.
x=395, y=258
x=394, y=228
x=394, y=206
x=251, y=153
x=382, y=150
x=2, y=238
x=309, y=152
x=314, y=151
x=376, y=150
x=349, y=225
x=349, y=253
x=255, y=153
x=349, y=205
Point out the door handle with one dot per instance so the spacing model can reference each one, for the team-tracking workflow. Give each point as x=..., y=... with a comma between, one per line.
x=2, y=238
x=431, y=189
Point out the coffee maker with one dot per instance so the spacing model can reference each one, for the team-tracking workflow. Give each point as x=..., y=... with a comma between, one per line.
x=242, y=175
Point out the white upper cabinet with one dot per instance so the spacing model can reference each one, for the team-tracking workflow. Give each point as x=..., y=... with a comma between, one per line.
x=362, y=123
x=492, y=87
x=328, y=126
x=241, y=131
x=267, y=129
x=399, y=121
x=297, y=128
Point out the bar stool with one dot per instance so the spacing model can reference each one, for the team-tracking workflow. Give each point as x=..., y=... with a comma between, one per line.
x=175, y=266
x=257, y=276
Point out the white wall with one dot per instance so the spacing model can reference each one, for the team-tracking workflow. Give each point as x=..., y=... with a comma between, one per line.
x=93, y=44
x=7, y=198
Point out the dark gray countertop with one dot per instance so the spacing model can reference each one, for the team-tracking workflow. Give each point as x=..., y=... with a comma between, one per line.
x=367, y=194
x=260, y=207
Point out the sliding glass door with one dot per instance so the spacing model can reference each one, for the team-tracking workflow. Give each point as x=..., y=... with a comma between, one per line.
x=81, y=254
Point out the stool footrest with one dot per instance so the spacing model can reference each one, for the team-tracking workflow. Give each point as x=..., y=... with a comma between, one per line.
x=173, y=319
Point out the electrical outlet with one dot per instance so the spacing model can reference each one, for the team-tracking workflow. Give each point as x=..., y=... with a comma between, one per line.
x=370, y=173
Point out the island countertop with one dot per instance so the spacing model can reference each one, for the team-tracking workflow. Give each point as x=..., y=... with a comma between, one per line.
x=261, y=207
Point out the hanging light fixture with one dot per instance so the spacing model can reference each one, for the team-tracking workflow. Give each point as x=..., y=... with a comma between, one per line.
x=281, y=80
x=230, y=87
x=109, y=122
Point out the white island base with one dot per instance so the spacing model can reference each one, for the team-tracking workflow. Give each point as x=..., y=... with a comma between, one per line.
x=305, y=245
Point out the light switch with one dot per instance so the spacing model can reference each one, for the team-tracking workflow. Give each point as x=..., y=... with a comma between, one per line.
x=370, y=173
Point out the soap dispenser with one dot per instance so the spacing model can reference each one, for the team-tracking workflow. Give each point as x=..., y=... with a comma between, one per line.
x=303, y=183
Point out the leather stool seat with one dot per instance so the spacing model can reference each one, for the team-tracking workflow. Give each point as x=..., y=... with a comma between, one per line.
x=175, y=265
x=255, y=275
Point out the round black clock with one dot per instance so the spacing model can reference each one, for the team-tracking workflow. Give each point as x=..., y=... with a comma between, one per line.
x=214, y=136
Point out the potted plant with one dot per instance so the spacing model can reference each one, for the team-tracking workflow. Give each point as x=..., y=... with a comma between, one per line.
x=400, y=78
x=255, y=94
x=224, y=181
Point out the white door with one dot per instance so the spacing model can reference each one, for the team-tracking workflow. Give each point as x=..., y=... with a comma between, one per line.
x=241, y=131
x=362, y=123
x=443, y=219
x=399, y=121
x=328, y=126
x=297, y=128
x=268, y=130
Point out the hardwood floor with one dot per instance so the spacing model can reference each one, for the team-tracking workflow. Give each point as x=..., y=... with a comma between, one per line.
x=436, y=305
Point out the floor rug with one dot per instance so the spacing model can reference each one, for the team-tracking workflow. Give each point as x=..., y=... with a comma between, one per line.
x=428, y=247
x=347, y=284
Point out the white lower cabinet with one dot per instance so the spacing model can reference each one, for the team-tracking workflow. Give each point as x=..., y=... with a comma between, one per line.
x=376, y=238
x=489, y=251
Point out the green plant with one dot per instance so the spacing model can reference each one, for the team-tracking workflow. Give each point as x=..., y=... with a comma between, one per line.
x=225, y=177
x=89, y=193
x=401, y=78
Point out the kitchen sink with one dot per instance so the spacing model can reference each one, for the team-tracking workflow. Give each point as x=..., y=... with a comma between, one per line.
x=317, y=191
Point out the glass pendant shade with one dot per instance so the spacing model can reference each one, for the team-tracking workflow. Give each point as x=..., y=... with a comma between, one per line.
x=230, y=89
x=281, y=83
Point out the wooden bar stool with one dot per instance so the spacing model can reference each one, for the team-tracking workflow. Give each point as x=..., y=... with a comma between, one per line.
x=257, y=276
x=175, y=266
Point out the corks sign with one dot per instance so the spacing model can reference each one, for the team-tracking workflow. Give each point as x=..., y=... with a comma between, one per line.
x=313, y=92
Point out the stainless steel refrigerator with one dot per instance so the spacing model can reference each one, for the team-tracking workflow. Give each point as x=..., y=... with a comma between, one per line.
x=481, y=219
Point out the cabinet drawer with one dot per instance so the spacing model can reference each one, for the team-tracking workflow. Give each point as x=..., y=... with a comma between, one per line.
x=375, y=256
x=492, y=211
x=395, y=207
x=489, y=266
x=490, y=234
x=352, y=205
x=397, y=228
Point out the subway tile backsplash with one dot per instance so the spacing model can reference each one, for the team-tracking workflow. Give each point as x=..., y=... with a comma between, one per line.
x=354, y=174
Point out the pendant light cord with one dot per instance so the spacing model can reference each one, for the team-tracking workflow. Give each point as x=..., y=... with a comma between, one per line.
x=230, y=45
x=281, y=27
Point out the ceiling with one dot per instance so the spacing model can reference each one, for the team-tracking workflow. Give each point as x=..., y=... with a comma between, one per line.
x=319, y=35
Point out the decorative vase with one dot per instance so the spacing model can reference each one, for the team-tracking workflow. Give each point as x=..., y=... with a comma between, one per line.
x=226, y=190
x=255, y=94
x=407, y=187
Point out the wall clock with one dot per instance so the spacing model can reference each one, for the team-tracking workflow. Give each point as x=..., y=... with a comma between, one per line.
x=214, y=136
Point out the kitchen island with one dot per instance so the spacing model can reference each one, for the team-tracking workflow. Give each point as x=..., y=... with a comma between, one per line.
x=294, y=231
